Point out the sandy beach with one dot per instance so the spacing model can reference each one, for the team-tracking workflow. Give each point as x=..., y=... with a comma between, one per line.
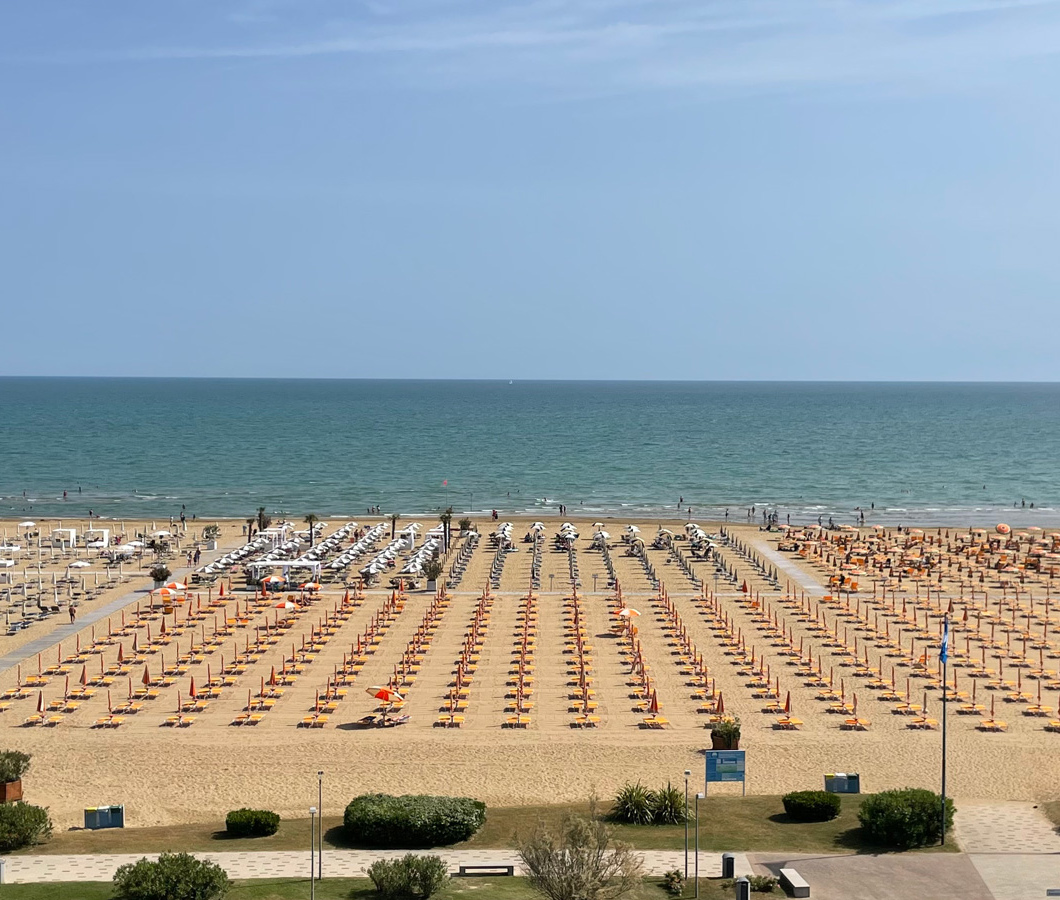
x=198, y=772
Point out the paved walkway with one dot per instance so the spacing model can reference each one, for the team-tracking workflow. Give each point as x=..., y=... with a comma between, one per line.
x=1005, y=827
x=64, y=632
x=337, y=863
x=1015, y=849
x=788, y=566
x=892, y=876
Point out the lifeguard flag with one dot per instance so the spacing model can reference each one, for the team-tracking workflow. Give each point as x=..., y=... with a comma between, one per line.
x=445, y=482
x=944, y=650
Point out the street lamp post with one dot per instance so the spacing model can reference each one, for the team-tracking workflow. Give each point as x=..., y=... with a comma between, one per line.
x=312, y=852
x=688, y=772
x=699, y=796
x=320, y=825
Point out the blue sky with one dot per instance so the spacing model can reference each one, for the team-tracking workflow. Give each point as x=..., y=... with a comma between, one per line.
x=537, y=188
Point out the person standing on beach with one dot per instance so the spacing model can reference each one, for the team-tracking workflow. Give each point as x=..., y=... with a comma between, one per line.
x=73, y=614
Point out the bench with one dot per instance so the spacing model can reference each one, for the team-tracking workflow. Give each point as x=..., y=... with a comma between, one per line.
x=794, y=883
x=499, y=869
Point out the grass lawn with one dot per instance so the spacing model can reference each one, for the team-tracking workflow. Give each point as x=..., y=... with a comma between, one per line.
x=345, y=889
x=749, y=824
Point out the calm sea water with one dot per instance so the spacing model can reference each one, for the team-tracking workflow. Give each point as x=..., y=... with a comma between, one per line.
x=143, y=447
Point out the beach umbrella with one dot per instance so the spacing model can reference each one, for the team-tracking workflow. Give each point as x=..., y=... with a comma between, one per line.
x=147, y=675
x=787, y=704
x=721, y=704
x=653, y=704
x=386, y=694
x=84, y=675
x=311, y=586
x=192, y=692
x=627, y=612
x=40, y=702
x=175, y=586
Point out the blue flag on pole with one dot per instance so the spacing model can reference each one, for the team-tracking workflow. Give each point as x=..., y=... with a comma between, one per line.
x=944, y=650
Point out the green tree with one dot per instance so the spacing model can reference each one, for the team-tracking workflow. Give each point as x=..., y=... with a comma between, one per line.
x=311, y=520
x=580, y=862
x=264, y=520
x=175, y=876
x=251, y=522
x=446, y=518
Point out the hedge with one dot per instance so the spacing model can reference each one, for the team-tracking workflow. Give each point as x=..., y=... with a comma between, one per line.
x=173, y=876
x=811, y=806
x=251, y=823
x=409, y=878
x=411, y=821
x=22, y=824
x=905, y=818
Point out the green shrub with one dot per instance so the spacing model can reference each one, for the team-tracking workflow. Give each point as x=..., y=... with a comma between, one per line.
x=175, y=876
x=674, y=882
x=904, y=818
x=13, y=765
x=160, y=572
x=633, y=805
x=251, y=823
x=381, y=820
x=22, y=824
x=811, y=806
x=668, y=806
x=410, y=878
x=762, y=884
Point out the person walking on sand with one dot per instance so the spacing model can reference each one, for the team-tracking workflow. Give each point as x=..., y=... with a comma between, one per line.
x=73, y=614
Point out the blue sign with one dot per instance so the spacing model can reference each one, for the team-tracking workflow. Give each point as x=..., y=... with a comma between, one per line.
x=726, y=765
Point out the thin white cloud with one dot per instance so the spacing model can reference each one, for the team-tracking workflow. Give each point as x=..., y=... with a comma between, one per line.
x=592, y=45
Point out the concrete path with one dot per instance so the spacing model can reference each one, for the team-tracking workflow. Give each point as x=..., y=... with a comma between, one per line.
x=938, y=876
x=788, y=566
x=1013, y=846
x=337, y=863
x=88, y=618
x=1004, y=827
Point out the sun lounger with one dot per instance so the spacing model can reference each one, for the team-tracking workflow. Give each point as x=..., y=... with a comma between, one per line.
x=657, y=722
x=450, y=721
x=787, y=724
x=923, y=724
x=53, y=721
x=856, y=725
x=586, y=722
x=992, y=725
x=517, y=722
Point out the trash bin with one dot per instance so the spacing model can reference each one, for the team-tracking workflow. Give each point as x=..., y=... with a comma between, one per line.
x=728, y=865
x=842, y=783
x=105, y=817
x=743, y=888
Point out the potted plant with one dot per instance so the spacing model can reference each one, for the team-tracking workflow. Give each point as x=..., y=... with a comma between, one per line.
x=726, y=735
x=432, y=570
x=159, y=573
x=13, y=765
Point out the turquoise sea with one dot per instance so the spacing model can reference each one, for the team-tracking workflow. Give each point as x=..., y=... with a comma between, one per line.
x=926, y=453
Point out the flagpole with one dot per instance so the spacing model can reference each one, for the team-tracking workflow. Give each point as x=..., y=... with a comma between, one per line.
x=945, y=658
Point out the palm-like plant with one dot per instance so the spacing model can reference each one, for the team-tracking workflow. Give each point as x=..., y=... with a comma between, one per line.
x=393, y=524
x=311, y=520
x=668, y=807
x=633, y=805
x=264, y=520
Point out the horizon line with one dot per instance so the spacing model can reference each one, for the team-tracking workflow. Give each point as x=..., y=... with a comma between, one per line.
x=513, y=380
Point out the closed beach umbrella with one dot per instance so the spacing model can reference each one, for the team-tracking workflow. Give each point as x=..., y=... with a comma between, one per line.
x=147, y=675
